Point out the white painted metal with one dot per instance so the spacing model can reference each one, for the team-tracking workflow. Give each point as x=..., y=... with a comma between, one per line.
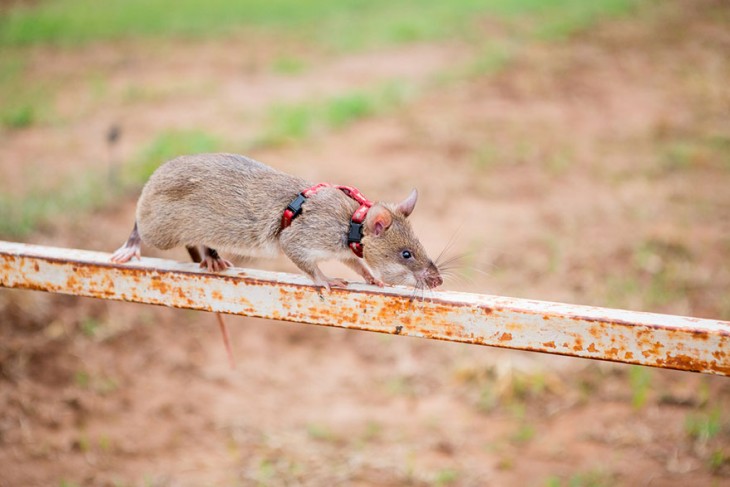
x=677, y=342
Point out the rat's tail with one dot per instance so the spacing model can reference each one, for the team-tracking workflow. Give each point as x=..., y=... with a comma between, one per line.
x=195, y=256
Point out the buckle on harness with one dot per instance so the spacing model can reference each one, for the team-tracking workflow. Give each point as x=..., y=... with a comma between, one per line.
x=296, y=206
x=354, y=234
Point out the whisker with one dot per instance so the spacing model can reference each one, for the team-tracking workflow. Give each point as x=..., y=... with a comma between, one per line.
x=451, y=241
x=452, y=260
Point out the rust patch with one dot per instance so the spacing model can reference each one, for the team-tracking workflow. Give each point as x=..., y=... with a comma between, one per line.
x=596, y=332
x=654, y=350
x=592, y=348
x=216, y=295
x=719, y=355
x=158, y=284
x=629, y=355
x=72, y=282
x=505, y=337
x=685, y=362
x=550, y=344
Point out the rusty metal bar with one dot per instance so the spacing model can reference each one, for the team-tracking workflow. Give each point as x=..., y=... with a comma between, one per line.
x=675, y=342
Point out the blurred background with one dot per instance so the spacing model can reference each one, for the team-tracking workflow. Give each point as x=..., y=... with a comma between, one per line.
x=568, y=150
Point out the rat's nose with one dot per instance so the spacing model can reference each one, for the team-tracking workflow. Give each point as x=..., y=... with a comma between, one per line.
x=433, y=277
x=434, y=281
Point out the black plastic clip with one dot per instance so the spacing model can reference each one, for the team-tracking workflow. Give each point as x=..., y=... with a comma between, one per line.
x=354, y=234
x=296, y=205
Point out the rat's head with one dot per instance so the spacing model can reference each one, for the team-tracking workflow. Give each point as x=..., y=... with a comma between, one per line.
x=392, y=250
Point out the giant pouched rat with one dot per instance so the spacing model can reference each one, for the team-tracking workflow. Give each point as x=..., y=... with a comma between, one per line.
x=235, y=204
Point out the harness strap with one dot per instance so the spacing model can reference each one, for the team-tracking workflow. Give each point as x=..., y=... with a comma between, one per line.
x=354, y=233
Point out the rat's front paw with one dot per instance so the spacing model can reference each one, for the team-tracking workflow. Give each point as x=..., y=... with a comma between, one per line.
x=374, y=281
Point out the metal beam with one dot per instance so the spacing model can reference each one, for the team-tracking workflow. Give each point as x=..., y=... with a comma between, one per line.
x=675, y=342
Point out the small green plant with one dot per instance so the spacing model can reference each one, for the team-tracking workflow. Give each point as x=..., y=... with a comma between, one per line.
x=373, y=430
x=19, y=117
x=590, y=478
x=704, y=426
x=90, y=327
x=21, y=215
x=320, y=432
x=488, y=60
x=288, y=65
x=640, y=381
x=288, y=123
x=559, y=162
x=524, y=433
x=82, y=379
x=22, y=99
x=400, y=385
x=343, y=110
x=485, y=157
x=166, y=146
x=105, y=443
x=446, y=476
x=718, y=459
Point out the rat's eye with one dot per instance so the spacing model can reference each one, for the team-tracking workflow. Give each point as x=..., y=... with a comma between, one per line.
x=406, y=254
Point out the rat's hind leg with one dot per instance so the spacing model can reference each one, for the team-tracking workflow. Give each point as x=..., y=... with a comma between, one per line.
x=131, y=248
x=194, y=253
x=212, y=261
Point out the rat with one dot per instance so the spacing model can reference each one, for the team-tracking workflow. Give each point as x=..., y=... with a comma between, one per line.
x=232, y=203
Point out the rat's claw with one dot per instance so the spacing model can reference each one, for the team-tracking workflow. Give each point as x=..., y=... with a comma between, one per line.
x=375, y=281
x=125, y=254
x=215, y=265
x=338, y=282
x=329, y=283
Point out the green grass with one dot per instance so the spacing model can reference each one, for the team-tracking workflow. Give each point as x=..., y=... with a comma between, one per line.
x=23, y=101
x=589, y=478
x=338, y=26
x=292, y=122
x=660, y=274
x=289, y=65
x=640, y=381
x=693, y=153
x=20, y=216
x=165, y=146
x=343, y=26
x=351, y=24
x=446, y=476
x=704, y=426
x=321, y=432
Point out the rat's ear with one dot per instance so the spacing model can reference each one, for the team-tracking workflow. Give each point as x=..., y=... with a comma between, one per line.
x=378, y=220
x=406, y=206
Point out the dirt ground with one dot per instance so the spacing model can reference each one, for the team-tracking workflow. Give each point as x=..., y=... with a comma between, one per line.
x=592, y=170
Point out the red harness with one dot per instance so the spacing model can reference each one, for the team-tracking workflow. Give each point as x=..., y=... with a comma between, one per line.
x=354, y=234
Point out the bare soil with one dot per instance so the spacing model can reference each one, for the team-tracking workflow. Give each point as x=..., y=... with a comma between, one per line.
x=592, y=171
